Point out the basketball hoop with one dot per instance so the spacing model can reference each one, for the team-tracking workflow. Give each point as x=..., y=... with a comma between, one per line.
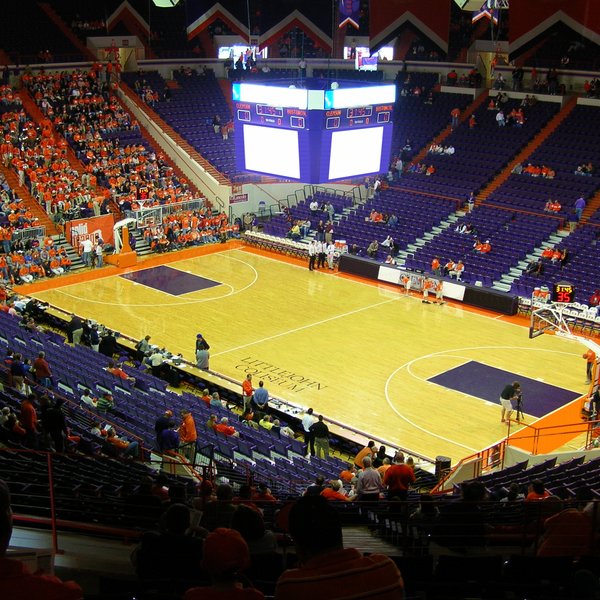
x=547, y=318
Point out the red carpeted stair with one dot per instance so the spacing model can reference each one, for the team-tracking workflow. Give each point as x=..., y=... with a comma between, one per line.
x=593, y=204
x=37, y=115
x=28, y=200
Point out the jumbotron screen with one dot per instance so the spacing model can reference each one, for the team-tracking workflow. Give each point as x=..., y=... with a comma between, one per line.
x=355, y=152
x=271, y=150
x=313, y=136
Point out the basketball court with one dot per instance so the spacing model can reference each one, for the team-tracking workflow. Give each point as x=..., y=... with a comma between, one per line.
x=422, y=376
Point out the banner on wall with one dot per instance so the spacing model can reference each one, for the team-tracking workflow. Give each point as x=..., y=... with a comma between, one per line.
x=349, y=11
x=94, y=228
x=235, y=198
x=485, y=13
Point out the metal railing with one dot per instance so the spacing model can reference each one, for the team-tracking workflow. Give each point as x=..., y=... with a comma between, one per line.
x=28, y=233
x=41, y=493
x=153, y=215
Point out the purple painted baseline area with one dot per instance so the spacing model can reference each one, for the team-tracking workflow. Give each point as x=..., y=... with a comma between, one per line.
x=171, y=281
x=483, y=381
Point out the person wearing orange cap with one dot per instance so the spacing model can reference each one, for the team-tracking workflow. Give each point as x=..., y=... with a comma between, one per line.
x=224, y=557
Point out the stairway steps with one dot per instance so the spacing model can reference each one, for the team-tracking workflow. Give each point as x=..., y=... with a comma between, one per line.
x=501, y=287
x=43, y=220
x=592, y=205
x=529, y=149
x=171, y=133
x=439, y=139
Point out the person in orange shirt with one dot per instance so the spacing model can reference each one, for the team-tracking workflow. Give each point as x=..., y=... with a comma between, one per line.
x=247, y=392
x=332, y=493
x=225, y=428
x=427, y=286
x=458, y=270
x=65, y=262
x=435, y=265
x=406, y=282
x=187, y=435
x=369, y=450
x=482, y=247
x=548, y=253
x=537, y=491
x=590, y=358
x=118, y=372
x=37, y=271
x=347, y=475
x=123, y=447
x=439, y=292
x=55, y=267
x=25, y=275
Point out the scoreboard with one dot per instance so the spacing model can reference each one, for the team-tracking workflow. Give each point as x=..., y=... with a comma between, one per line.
x=271, y=116
x=360, y=116
x=294, y=118
x=563, y=292
x=313, y=135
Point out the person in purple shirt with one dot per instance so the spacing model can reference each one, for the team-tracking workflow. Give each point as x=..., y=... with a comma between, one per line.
x=579, y=206
x=169, y=440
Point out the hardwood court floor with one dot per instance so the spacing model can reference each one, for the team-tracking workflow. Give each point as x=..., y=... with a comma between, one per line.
x=358, y=352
